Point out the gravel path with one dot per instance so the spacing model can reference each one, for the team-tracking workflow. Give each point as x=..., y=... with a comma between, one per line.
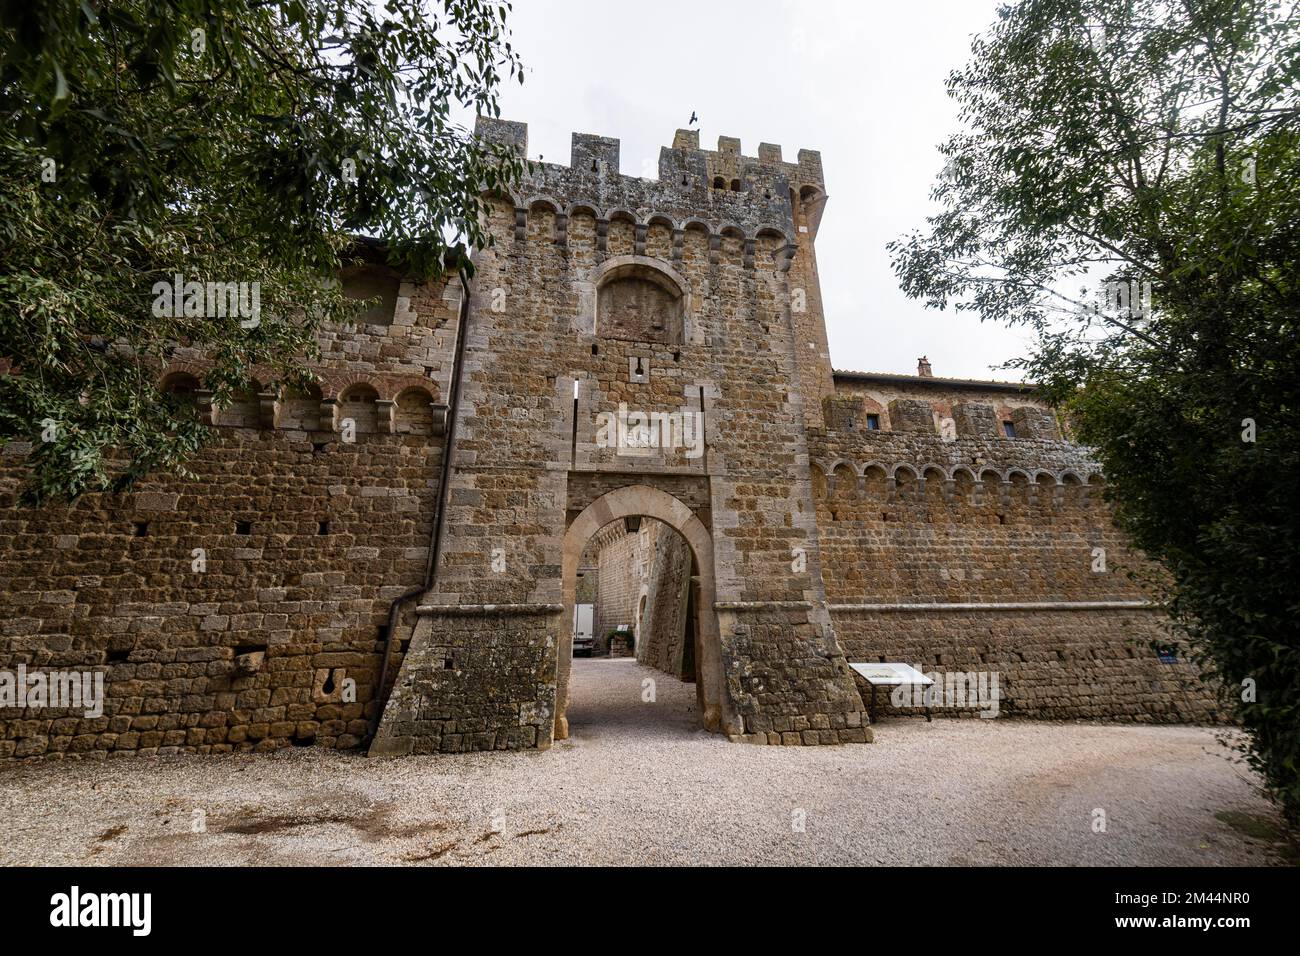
x=638, y=783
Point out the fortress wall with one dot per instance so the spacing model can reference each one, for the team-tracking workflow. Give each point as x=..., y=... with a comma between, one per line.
x=254, y=650
x=1077, y=665
x=913, y=520
x=876, y=397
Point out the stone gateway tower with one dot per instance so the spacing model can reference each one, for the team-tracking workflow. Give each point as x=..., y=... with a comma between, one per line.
x=635, y=349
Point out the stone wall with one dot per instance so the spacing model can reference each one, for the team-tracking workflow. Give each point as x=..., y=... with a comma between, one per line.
x=995, y=554
x=245, y=608
x=588, y=580
x=441, y=702
x=955, y=407
x=1087, y=663
x=787, y=686
x=622, y=559
x=665, y=628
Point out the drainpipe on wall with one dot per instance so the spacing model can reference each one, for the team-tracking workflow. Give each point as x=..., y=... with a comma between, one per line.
x=435, y=538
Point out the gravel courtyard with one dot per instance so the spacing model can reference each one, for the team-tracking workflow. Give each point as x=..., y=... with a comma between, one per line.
x=638, y=783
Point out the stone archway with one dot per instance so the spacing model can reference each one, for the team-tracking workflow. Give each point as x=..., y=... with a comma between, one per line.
x=716, y=712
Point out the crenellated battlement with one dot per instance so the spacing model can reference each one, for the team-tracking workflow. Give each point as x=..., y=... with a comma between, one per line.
x=729, y=162
x=600, y=154
x=722, y=190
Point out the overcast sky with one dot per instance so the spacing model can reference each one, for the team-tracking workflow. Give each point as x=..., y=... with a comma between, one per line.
x=860, y=80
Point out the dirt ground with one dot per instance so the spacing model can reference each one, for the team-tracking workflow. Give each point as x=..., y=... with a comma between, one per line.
x=639, y=783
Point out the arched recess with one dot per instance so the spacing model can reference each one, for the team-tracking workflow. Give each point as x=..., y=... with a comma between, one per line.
x=964, y=483
x=244, y=410
x=906, y=482
x=1020, y=487
x=717, y=713
x=845, y=482
x=181, y=384
x=935, y=490
x=875, y=481
x=1072, y=491
x=808, y=210
x=184, y=388
x=642, y=299
x=301, y=409
x=414, y=412
x=360, y=403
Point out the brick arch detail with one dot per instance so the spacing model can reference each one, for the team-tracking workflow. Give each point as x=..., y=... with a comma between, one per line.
x=197, y=369
x=395, y=385
x=334, y=385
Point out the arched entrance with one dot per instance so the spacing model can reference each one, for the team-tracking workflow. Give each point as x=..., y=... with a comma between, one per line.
x=716, y=712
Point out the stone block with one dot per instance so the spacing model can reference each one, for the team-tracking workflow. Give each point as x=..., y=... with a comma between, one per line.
x=911, y=415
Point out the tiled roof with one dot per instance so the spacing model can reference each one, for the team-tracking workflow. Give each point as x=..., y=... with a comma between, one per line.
x=934, y=380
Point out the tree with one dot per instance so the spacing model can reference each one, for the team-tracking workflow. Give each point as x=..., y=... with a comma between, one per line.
x=1151, y=149
x=217, y=141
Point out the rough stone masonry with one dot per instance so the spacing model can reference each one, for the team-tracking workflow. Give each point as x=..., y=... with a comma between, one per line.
x=812, y=517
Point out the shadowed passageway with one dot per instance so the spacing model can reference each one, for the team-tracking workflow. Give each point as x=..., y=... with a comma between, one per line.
x=608, y=701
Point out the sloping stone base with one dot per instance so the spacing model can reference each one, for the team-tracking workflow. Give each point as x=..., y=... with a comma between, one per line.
x=474, y=678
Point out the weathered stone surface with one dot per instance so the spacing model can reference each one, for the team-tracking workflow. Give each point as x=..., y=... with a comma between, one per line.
x=1034, y=422
x=844, y=413
x=911, y=415
x=162, y=592
x=975, y=420
x=666, y=628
